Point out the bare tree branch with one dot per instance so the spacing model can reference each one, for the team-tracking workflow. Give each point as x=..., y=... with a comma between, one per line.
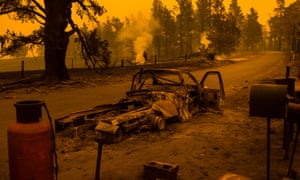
x=84, y=48
x=39, y=6
x=11, y=42
x=39, y=21
x=15, y=9
x=98, y=10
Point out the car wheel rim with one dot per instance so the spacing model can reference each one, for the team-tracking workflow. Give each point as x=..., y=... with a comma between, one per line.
x=160, y=123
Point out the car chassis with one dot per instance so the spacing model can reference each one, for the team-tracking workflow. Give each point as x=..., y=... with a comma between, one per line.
x=156, y=96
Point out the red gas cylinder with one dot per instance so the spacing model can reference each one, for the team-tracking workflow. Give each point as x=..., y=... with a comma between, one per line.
x=30, y=144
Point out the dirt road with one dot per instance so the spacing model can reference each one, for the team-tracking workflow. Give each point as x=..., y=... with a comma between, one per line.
x=207, y=147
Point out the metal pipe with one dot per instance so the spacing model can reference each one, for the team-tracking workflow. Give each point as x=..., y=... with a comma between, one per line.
x=98, y=164
x=268, y=147
x=287, y=72
x=293, y=152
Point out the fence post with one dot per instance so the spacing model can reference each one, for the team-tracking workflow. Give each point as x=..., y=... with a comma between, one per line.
x=22, y=69
x=72, y=63
x=287, y=72
x=122, y=63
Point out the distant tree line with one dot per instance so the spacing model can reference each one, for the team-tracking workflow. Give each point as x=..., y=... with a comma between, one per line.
x=285, y=27
x=186, y=30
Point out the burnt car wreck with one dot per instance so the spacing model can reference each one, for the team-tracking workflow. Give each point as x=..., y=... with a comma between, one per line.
x=156, y=96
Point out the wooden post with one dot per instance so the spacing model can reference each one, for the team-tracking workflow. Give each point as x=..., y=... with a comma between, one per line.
x=122, y=63
x=22, y=69
x=72, y=63
x=298, y=71
x=98, y=163
x=268, y=147
x=287, y=72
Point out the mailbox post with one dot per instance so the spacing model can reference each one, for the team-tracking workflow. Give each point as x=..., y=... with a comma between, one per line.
x=101, y=140
x=293, y=113
x=269, y=101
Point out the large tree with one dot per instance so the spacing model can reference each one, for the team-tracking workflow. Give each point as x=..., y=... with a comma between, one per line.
x=236, y=12
x=203, y=15
x=185, y=26
x=157, y=9
x=224, y=33
x=110, y=30
x=253, y=33
x=236, y=15
x=56, y=26
x=164, y=38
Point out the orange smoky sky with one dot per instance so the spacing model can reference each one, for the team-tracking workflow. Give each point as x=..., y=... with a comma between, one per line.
x=127, y=8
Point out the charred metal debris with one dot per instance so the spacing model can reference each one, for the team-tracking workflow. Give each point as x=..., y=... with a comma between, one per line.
x=156, y=96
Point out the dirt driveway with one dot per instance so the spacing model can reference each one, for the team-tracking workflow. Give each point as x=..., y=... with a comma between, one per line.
x=207, y=147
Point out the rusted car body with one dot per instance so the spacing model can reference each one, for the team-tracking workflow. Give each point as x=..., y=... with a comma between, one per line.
x=155, y=97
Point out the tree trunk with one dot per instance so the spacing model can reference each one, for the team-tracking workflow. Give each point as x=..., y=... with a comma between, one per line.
x=56, y=39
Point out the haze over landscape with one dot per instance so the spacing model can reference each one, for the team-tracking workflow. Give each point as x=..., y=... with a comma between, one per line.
x=154, y=86
x=264, y=8
x=121, y=9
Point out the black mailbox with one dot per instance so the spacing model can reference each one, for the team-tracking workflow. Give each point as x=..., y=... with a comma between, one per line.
x=268, y=100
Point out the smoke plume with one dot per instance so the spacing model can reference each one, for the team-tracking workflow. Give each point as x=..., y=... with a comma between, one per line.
x=141, y=43
x=139, y=31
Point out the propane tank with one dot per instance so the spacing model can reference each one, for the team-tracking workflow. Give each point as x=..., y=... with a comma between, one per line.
x=30, y=143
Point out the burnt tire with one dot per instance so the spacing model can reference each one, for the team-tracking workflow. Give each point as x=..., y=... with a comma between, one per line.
x=119, y=135
x=160, y=123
